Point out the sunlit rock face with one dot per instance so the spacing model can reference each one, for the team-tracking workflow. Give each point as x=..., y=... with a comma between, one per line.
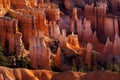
x=73, y=39
x=5, y=4
x=25, y=74
x=44, y=20
x=38, y=19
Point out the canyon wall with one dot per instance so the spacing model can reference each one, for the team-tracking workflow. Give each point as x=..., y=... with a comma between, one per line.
x=10, y=38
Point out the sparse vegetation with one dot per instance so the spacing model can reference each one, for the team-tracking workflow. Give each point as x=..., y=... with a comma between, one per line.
x=3, y=59
x=23, y=62
x=54, y=67
x=53, y=46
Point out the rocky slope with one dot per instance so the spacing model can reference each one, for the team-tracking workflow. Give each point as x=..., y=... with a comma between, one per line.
x=25, y=74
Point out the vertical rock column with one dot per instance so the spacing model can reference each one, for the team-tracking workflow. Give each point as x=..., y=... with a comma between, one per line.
x=10, y=38
x=54, y=30
x=88, y=54
x=87, y=32
x=90, y=15
x=11, y=31
x=63, y=39
x=42, y=25
x=26, y=26
x=53, y=16
x=2, y=32
x=39, y=52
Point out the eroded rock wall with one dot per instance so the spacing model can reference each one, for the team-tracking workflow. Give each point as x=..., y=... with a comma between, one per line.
x=10, y=37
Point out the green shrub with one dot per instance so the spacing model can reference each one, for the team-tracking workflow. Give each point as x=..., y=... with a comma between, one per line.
x=23, y=62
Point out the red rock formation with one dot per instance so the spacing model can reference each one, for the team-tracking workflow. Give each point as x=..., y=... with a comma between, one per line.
x=68, y=5
x=39, y=52
x=5, y=4
x=87, y=32
x=100, y=75
x=100, y=12
x=101, y=9
x=18, y=4
x=114, y=7
x=64, y=23
x=39, y=19
x=96, y=15
x=108, y=47
x=80, y=3
x=79, y=29
x=54, y=30
x=74, y=23
x=26, y=26
x=88, y=54
x=90, y=16
x=116, y=46
x=45, y=16
x=73, y=40
x=110, y=27
x=97, y=46
x=52, y=14
x=59, y=58
x=9, y=34
x=43, y=25
x=2, y=32
x=24, y=74
x=63, y=39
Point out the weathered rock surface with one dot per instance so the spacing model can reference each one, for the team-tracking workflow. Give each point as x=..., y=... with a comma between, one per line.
x=5, y=4
x=39, y=52
x=31, y=15
x=18, y=4
x=10, y=38
x=25, y=74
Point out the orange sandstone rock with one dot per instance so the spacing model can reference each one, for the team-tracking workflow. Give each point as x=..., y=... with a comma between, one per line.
x=25, y=74
x=39, y=52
